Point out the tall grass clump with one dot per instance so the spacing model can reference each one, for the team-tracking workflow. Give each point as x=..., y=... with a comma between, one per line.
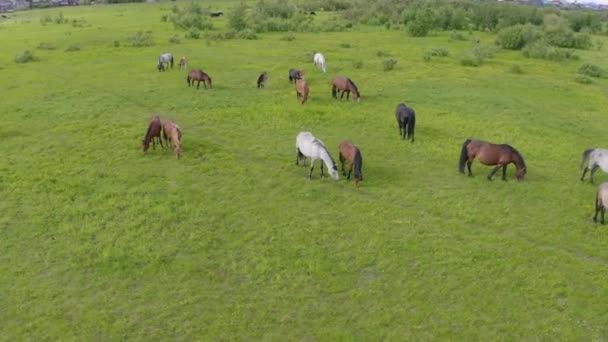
x=140, y=39
x=72, y=48
x=583, y=79
x=389, y=64
x=540, y=50
x=25, y=57
x=517, y=36
x=590, y=70
x=46, y=46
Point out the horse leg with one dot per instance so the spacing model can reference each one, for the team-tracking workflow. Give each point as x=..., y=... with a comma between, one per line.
x=342, y=94
x=584, y=172
x=350, y=170
x=312, y=166
x=347, y=94
x=603, y=211
x=322, y=175
x=504, y=173
x=593, y=170
x=342, y=164
x=469, y=162
x=493, y=172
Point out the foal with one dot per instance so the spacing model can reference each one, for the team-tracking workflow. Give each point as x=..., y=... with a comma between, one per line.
x=302, y=90
x=153, y=132
x=172, y=133
x=183, y=63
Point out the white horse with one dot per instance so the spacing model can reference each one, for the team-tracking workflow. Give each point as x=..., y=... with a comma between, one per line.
x=309, y=146
x=598, y=158
x=165, y=58
x=319, y=61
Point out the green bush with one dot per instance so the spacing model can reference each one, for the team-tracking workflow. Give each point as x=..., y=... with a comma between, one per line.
x=541, y=50
x=470, y=60
x=237, y=19
x=455, y=35
x=191, y=16
x=247, y=34
x=389, y=64
x=26, y=57
x=517, y=36
x=174, y=40
x=140, y=39
x=583, y=79
x=590, y=70
x=288, y=37
x=582, y=41
x=193, y=33
x=46, y=19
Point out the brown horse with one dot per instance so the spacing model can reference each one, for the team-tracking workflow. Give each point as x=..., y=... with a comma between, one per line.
x=346, y=85
x=199, y=76
x=351, y=154
x=302, y=91
x=172, y=133
x=153, y=131
x=262, y=80
x=500, y=155
x=601, y=201
x=183, y=63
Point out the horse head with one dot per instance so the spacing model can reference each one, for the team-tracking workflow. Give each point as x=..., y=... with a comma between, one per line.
x=333, y=172
x=160, y=66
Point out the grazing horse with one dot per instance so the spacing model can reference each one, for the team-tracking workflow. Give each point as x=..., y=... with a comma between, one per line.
x=262, y=80
x=347, y=86
x=172, y=133
x=295, y=74
x=199, y=76
x=500, y=155
x=598, y=158
x=216, y=14
x=302, y=91
x=153, y=132
x=319, y=61
x=406, y=118
x=601, y=201
x=351, y=154
x=309, y=146
x=183, y=63
x=164, y=61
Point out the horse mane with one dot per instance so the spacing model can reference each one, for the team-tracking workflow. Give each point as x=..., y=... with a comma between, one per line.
x=354, y=86
x=516, y=152
x=319, y=143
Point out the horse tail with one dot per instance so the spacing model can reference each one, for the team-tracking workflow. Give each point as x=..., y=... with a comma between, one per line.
x=586, y=154
x=333, y=91
x=358, y=165
x=354, y=87
x=464, y=155
x=188, y=79
x=411, y=126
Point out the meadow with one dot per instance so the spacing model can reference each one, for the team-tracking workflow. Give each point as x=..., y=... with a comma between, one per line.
x=100, y=241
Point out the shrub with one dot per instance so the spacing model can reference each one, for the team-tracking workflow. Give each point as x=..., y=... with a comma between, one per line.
x=289, y=37
x=46, y=46
x=248, y=34
x=517, y=36
x=541, y=50
x=455, y=35
x=583, y=79
x=582, y=41
x=60, y=19
x=140, y=39
x=46, y=19
x=79, y=22
x=174, y=40
x=26, y=57
x=438, y=52
x=590, y=70
x=72, y=48
x=237, y=18
x=470, y=60
x=389, y=64
x=382, y=53
x=193, y=33
x=164, y=17
x=191, y=16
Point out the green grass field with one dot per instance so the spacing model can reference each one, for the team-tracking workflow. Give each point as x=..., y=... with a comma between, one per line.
x=233, y=242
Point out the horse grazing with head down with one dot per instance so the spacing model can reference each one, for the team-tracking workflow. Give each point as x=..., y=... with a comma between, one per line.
x=346, y=85
x=172, y=133
x=295, y=74
x=595, y=158
x=183, y=63
x=164, y=61
x=500, y=155
x=302, y=91
x=351, y=154
x=309, y=146
x=199, y=76
x=152, y=133
x=319, y=60
x=406, y=118
x=262, y=80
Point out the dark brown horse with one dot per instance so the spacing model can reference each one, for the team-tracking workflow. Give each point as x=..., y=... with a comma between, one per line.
x=262, y=80
x=302, y=91
x=153, y=132
x=295, y=74
x=500, y=155
x=351, y=154
x=346, y=85
x=406, y=118
x=199, y=76
x=601, y=201
x=172, y=133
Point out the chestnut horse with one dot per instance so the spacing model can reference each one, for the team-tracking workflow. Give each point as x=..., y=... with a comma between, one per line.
x=500, y=155
x=153, y=131
x=183, y=63
x=406, y=118
x=346, y=85
x=351, y=154
x=172, y=133
x=601, y=201
x=262, y=80
x=295, y=75
x=302, y=91
x=199, y=76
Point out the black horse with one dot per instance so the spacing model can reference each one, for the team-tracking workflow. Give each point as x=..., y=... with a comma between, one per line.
x=295, y=75
x=216, y=14
x=406, y=118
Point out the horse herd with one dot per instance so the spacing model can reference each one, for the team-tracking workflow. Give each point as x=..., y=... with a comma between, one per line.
x=308, y=146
